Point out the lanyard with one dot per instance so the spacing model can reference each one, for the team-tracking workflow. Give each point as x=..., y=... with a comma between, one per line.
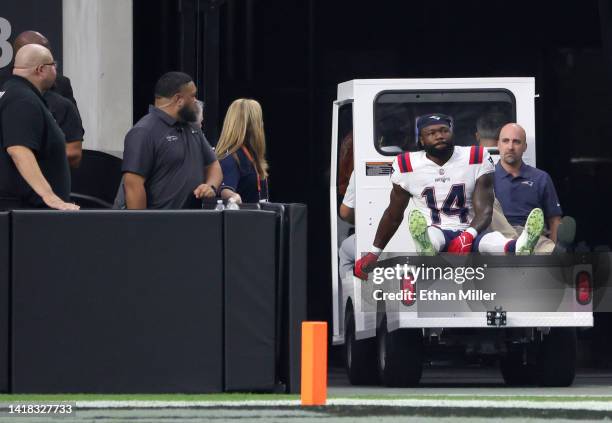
x=246, y=152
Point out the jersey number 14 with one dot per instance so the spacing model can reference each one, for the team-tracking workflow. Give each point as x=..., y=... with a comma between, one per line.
x=454, y=204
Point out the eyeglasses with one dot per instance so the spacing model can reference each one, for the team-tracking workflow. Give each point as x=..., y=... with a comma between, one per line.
x=54, y=63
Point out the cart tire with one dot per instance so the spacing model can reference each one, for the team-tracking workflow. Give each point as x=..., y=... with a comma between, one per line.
x=359, y=356
x=556, y=362
x=400, y=356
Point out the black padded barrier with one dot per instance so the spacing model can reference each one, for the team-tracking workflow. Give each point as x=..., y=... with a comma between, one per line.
x=291, y=289
x=250, y=291
x=4, y=300
x=280, y=348
x=117, y=301
x=296, y=278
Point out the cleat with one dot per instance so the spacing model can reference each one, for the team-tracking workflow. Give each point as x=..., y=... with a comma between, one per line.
x=534, y=226
x=566, y=233
x=418, y=229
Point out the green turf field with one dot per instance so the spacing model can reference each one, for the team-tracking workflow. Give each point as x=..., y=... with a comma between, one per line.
x=281, y=397
x=392, y=407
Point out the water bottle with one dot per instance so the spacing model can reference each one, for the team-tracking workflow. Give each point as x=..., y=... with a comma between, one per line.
x=220, y=205
x=232, y=204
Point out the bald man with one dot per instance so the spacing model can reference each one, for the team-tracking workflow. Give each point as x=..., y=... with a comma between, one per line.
x=62, y=84
x=34, y=169
x=520, y=187
x=61, y=102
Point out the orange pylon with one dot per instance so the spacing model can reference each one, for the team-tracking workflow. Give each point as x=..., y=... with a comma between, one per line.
x=314, y=363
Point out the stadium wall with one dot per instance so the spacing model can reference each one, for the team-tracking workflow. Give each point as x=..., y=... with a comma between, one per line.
x=97, y=40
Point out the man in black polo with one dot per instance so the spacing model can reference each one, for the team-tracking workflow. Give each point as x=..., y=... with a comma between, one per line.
x=67, y=117
x=60, y=101
x=33, y=166
x=167, y=163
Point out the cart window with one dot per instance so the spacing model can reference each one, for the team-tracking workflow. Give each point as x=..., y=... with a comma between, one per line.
x=395, y=114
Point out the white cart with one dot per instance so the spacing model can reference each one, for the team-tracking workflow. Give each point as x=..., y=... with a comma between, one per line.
x=531, y=323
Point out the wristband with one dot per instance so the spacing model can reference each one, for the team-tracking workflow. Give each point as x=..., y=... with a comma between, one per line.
x=472, y=231
x=376, y=251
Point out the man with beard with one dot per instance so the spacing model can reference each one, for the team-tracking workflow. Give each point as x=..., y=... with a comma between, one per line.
x=168, y=164
x=452, y=189
x=520, y=187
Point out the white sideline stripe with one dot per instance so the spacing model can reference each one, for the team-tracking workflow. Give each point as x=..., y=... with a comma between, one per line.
x=444, y=403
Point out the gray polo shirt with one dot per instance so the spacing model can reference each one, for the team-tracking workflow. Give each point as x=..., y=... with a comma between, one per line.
x=170, y=155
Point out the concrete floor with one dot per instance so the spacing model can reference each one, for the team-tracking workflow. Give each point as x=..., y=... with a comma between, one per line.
x=474, y=381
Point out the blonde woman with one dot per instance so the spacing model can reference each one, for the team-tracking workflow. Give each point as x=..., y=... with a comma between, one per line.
x=242, y=153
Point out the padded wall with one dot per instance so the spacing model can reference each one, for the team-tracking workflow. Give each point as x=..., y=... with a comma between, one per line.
x=4, y=301
x=109, y=301
x=291, y=290
x=296, y=279
x=281, y=303
x=250, y=290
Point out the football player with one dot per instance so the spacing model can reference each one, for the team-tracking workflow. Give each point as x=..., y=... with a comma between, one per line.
x=452, y=190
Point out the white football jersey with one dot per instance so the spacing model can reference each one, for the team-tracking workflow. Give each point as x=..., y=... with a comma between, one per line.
x=443, y=193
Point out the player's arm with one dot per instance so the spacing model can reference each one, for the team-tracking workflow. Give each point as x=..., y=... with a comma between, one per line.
x=392, y=217
x=482, y=200
x=347, y=214
x=482, y=203
x=388, y=225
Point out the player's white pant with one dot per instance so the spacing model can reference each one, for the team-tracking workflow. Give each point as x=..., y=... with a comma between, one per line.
x=494, y=242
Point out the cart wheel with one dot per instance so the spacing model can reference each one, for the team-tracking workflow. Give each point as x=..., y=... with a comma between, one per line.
x=556, y=363
x=359, y=356
x=400, y=356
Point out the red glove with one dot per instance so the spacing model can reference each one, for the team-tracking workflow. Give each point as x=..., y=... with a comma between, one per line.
x=364, y=265
x=461, y=244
